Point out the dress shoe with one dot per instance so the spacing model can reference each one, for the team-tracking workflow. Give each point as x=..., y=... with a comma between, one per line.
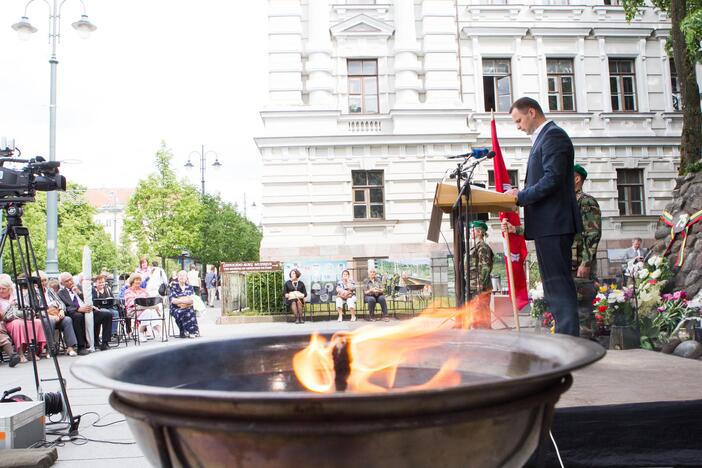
x=83, y=352
x=104, y=347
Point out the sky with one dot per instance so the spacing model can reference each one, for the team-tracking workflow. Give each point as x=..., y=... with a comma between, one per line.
x=186, y=72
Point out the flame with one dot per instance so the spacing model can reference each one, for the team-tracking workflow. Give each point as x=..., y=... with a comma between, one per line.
x=376, y=352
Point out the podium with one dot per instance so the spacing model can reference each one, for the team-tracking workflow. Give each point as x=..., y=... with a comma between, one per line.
x=477, y=200
x=481, y=201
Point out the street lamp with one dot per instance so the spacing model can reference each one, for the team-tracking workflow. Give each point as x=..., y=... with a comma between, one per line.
x=202, y=155
x=25, y=29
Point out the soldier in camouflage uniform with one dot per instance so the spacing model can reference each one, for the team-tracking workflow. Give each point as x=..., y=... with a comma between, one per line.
x=585, y=252
x=481, y=258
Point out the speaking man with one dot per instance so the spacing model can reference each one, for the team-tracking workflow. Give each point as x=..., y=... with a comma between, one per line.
x=551, y=215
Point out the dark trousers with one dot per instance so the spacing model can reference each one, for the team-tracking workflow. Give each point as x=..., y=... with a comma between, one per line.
x=373, y=300
x=553, y=254
x=100, y=319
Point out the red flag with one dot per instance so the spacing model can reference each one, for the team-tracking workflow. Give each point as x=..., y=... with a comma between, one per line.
x=517, y=244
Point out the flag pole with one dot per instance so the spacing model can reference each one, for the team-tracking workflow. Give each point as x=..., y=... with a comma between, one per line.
x=508, y=258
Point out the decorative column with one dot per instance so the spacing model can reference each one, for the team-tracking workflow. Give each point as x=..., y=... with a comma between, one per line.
x=642, y=78
x=407, y=83
x=285, y=52
x=665, y=73
x=604, y=74
x=320, y=82
x=440, y=52
x=580, y=77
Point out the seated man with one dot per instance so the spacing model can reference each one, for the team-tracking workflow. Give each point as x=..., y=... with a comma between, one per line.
x=57, y=316
x=635, y=252
x=72, y=298
x=373, y=293
x=101, y=291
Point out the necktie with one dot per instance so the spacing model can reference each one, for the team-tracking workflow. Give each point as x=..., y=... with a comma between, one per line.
x=75, y=301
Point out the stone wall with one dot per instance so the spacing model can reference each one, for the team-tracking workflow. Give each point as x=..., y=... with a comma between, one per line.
x=687, y=198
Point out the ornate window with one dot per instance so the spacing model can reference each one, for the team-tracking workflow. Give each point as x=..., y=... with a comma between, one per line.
x=363, y=86
x=497, y=84
x=561, y=85
x=630, y=191
x=622, y=83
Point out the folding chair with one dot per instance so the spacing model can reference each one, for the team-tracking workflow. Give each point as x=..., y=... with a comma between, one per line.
x=113, y=303
x=143, y=303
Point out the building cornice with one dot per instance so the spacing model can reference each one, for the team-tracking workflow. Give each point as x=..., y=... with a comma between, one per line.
x=560, y=32
x=493, y=31
x=621, y=32
x=467, y=138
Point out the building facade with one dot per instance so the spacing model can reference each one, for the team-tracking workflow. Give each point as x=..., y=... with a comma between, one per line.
x=110, y=204
x=368, y=98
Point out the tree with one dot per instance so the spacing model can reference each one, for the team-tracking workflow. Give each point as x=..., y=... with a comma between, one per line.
x=227, y=236
x=685, y=37
x=164, y=215
x=76, y=229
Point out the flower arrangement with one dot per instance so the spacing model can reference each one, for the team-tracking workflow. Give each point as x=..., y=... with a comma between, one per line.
x=651, y=274
x=672, y=310
x=612, y=306
x=539, y=312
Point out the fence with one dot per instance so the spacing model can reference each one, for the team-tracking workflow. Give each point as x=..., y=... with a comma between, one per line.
x=245, y=290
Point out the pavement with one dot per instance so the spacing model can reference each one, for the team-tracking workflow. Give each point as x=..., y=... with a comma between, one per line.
x=620, y=377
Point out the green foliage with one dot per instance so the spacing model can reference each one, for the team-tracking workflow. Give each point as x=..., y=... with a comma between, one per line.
x=164, y=215
x=76, y=229
x=226, y=235
x=264, y=292
x=694, y=167
x=691, y=28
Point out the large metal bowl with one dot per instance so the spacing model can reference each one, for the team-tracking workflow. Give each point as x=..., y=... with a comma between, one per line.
x=235, y=402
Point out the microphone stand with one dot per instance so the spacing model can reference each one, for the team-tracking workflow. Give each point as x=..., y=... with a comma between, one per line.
x=462, y=217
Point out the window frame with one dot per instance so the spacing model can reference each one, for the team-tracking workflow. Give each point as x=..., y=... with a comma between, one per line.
x=366, y=189
x=627, y=187
x=619, y=77
x=494, y=79
x=675, y=85
x=558, y=76
x=361, y=94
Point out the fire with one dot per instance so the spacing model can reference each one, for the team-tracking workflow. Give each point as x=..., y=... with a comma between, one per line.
x=377, y=352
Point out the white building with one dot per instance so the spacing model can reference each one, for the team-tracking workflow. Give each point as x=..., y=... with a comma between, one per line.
x=367, y=98
x=110, y=204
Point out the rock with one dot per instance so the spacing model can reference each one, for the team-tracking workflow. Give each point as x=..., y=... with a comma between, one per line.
x=662, y=232
x=670, y=346
x=690, y=349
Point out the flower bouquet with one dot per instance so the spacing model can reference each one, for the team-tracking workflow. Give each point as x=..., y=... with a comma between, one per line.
x=539, y=313
x=612, y=306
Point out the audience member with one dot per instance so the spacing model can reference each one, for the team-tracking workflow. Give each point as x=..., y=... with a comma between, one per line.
x=58, y=320
x=374, y=294
x=181, y=299
x=72, y=298
x=21, y=333
x=346, y=294
x=144, y=316
x=295, y=294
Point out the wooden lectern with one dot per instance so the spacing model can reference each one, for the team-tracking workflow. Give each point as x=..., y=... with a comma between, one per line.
x=480, y=200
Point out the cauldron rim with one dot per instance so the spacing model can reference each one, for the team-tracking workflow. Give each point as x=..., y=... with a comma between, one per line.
x=95, y=370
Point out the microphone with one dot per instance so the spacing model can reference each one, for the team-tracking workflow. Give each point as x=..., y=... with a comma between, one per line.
x=477, y=153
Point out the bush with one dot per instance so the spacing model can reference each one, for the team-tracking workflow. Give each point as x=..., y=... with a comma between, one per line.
x=264, y=292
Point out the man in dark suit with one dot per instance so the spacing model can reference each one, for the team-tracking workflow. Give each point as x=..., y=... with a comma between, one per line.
x=551, y=214
x=72, y=297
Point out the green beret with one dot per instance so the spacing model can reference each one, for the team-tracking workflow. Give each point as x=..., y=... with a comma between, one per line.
x=580, y=170
x=479, y=225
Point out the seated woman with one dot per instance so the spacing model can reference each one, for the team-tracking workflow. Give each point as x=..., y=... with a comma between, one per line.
x=346, y=294
x=295, y=294
x=144, y=316
x=182, y=307
x=14, y=322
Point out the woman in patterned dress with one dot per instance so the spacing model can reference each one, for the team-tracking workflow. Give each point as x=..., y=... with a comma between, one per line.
x=182, y=307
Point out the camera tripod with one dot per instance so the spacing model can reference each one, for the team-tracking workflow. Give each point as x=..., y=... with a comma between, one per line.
x=27, y=280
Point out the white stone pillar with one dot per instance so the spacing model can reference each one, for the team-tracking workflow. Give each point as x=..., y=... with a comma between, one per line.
x=285, y=52
x=604, y=74
x=665, y=77
x=642, y=78
x=320, y=83
x=440, y=53
x=407, y=83
x=478, y=75
x=580, y=72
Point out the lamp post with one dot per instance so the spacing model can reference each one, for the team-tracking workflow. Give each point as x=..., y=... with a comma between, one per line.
x=203, y=162
x=24, y=29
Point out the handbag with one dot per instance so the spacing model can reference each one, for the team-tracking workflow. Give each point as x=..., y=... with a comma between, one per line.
x=198, y=305
x=295, y=295
x=13, y=312
x=163, y=289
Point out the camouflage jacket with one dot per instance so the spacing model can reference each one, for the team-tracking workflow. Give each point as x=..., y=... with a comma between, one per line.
x=585, y=243
x=481, y=258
